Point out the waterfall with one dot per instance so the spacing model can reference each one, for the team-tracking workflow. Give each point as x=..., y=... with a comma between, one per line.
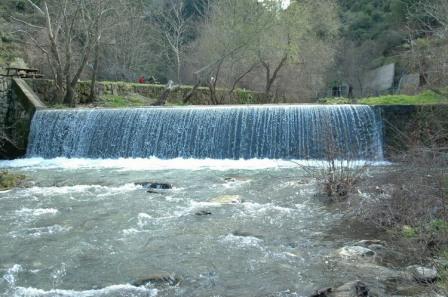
x=225, y=132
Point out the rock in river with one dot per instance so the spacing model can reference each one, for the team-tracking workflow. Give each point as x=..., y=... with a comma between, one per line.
x=203, y=213
x=169, y=279
x=227, y=199
x=155, y=185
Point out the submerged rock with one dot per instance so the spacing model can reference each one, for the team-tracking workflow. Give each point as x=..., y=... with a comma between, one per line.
x=203, y=213
x=246, y=234
x=356, y=252
x=227, y=199
x=232, y=179
x=169, y=279
x=154, y=191
x=155, y=185
x=422, y=274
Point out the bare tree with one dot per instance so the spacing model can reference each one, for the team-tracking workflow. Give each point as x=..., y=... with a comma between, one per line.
x=174, y=26
x=132, y=46
x=66, y=24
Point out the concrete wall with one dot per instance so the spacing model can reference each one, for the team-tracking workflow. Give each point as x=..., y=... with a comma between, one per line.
x=408, y=125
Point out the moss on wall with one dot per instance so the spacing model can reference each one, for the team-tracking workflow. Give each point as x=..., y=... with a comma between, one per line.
x=413, y=125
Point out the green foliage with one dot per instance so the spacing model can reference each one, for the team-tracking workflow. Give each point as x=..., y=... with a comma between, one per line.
x=245, y=97
x=439, y=226
x=408, y=232
x=334, y=101
x=426, y=97
x=10, y=180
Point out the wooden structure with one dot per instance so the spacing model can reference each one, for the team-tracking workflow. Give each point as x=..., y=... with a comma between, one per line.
x=22, y=72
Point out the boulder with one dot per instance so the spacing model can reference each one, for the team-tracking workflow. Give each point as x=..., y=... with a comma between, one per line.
x=356, y=252
x=372, y=244
x=325, y=292
x=422, y=274
x=227, y=199
x=162, y=279
x=352, y=289
x=370, y=271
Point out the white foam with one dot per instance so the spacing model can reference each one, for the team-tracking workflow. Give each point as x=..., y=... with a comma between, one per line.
x=36, y=211
x=11, y=274
x=242, y=241
x=254, y=208
x=156, y=164
x=143, y=219
x=41, y=231
x=100, y=190
x=115, y=290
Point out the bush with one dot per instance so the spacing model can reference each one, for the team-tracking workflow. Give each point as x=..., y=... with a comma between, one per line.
x=412, y=197
x=334, y=101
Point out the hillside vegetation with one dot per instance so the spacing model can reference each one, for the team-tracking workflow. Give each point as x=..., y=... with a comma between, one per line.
x=291, y=55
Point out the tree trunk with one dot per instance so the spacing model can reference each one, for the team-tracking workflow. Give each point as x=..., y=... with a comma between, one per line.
x=70, y=96
x=190, y=94
x=92, y=95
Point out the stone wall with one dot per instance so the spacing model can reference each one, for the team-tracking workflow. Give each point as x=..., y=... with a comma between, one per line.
x=44, y=89
x=5, y=84
x=17, y=106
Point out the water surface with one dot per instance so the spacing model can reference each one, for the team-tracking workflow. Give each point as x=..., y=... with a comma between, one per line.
x=83, y=228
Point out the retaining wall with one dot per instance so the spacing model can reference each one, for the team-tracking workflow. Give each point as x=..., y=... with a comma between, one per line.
x=44, y=88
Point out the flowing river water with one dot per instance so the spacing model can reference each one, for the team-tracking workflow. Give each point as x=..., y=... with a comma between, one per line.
x=83, y=228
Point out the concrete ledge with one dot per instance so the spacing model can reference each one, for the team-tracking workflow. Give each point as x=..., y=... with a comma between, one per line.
x=29, y=100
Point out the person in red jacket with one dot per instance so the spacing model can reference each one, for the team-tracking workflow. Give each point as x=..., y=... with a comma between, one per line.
x=141, y=80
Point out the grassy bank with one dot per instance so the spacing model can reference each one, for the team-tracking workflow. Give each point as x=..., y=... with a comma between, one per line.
x=424, y=98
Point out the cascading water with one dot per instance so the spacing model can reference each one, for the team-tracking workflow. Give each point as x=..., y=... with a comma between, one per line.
x=228, y=132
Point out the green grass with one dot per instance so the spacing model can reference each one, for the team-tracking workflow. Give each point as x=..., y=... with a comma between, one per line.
x=424, y=98
x=122, y=101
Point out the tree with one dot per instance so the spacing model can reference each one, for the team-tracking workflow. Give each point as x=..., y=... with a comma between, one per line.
x=132, y=45
x=174, y=26
x=428, y=43
x=221, y=51
x=240, y=37
x=67, y=24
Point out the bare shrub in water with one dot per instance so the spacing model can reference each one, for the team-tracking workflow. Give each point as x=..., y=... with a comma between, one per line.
x=339, y=172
